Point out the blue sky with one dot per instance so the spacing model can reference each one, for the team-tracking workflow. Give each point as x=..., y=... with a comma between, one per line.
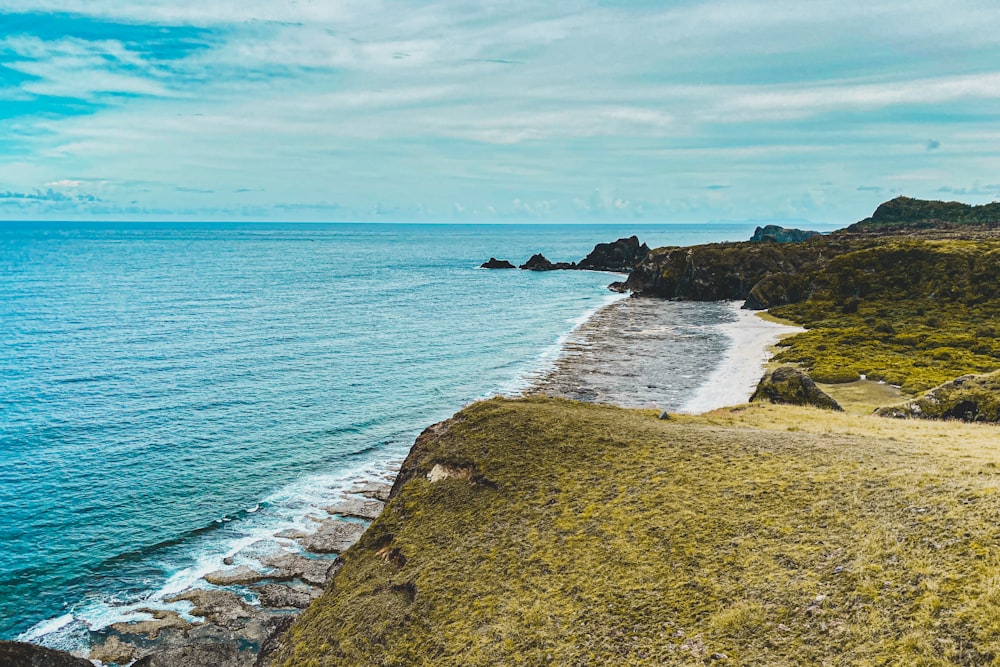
x=448, y=110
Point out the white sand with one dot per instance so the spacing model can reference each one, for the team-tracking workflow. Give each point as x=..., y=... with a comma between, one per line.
x=735, y=379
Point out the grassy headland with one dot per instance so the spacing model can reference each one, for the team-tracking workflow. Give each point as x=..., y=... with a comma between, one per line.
x=544, y=531
x=580, y=534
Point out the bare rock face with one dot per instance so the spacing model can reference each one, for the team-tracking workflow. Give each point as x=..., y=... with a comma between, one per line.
x=789, y=385
x=21, y=654
x=333, y=536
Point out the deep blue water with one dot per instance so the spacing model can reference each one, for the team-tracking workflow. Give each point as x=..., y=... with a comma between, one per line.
x=171, y=392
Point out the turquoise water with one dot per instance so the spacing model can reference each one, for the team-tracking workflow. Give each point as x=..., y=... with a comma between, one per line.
x=170, y=393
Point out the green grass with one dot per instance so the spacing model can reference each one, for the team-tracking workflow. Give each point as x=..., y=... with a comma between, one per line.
x=593, y=535
x=913, y=313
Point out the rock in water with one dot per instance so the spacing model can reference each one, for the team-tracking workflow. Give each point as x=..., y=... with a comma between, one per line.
x=20, y=654
x=778, y=234
x=495, y=263
x=538, y=262
x=789, y=385
x=620, y=256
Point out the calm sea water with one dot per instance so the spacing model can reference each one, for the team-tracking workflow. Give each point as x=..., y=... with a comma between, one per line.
x=171, y=393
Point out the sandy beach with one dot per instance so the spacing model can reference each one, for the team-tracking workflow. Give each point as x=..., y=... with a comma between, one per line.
x=677, y=356
x=735, y=379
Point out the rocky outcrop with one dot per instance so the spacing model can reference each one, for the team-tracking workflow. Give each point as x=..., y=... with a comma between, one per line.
x=722, y=271
x=789, y=385
x=539, y=262
x=907, y=213
x=970, y=398
x=215, y=654
x=20, y=654
x=620, y=256
x=495, y=263
x=333, y=536
x=779, y=234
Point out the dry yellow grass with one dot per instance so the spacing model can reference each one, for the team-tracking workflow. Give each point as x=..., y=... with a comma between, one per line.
x=592, y=535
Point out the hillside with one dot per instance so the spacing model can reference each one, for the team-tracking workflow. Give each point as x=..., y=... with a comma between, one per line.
x=574, y=534
x=908, y=214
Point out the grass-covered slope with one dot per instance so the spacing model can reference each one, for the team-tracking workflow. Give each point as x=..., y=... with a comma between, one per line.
x=910, y=312
x=573, y=534
x=907, y=213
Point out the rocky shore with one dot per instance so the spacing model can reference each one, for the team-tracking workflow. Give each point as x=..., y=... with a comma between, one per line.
x=234, y=616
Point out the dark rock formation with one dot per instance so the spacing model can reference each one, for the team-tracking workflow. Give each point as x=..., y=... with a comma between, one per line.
x=538, y=262
x=718, y=271
x=971, y=398
x=778, y=234
x=789, y=385
x=620, y=256
x=20, y=654
x=495, y=263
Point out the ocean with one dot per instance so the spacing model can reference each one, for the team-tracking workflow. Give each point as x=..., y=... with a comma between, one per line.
x=173, y=393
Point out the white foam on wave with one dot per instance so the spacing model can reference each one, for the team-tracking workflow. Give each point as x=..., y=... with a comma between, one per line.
x=46, y=627
x=291, y=506
x=547, y=359
x=735, y=378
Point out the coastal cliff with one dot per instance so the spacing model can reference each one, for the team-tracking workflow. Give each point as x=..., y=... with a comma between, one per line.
x=544, y=531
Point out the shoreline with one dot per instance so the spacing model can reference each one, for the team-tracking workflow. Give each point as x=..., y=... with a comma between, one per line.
x=169, y=617
x=653, y=353
x=741, y=368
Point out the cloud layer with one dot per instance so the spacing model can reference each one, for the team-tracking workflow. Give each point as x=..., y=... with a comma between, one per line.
x=450, y=110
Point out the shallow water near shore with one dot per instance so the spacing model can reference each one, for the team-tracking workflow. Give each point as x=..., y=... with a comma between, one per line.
x=170, y=394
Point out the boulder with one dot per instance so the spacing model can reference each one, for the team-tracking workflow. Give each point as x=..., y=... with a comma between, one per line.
x=779, y=234
x=21, y=654
x=971, y=398
x=789, y=385
x=495, y=263
x=621, y=256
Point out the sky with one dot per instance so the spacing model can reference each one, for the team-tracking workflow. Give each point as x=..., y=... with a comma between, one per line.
x=456, y=111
